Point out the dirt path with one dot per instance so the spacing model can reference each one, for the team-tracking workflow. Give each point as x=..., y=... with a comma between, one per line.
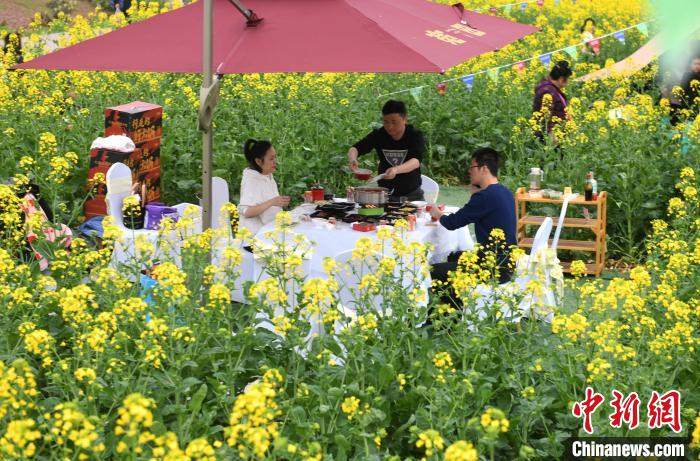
x=19, y=13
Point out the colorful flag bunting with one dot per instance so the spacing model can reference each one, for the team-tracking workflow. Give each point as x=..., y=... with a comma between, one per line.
x=468, y=81
x=523, y=5
x=441, y=88
x=572, y=51
x=416, y=92
x=620, y=36
x=509, y=8
x=643, y=29
x=556, y=2
x=595, y=45
x=546, y=59
x=519, y=66
x=540, y=3
x=493, y=74
x=493, y=10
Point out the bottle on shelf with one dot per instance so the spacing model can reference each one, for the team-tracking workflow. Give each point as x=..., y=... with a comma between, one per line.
x=588, y=187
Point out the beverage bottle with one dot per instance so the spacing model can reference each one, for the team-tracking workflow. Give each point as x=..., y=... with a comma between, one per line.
x=594, y=184
x=588, y=187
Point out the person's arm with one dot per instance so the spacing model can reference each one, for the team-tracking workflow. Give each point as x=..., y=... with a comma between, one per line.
x=469, y=213
x=256, y=210
x=361, y=147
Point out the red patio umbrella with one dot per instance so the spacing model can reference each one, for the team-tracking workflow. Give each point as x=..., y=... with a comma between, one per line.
x=294, y=36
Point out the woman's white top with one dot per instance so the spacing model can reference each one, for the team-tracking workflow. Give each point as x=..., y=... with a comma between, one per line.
x=257, y=188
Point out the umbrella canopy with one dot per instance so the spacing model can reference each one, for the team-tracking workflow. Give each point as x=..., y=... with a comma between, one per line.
x=296, y=36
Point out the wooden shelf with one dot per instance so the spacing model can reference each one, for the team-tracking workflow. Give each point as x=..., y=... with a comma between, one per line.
x=568, y=222
x=525, y=197
x=591, y=268
x=575, y=245
x=596, y=225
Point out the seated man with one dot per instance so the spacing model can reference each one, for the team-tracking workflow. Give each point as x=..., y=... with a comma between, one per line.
x=491, y=206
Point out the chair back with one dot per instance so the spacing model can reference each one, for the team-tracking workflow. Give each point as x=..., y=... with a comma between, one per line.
x=219, y=197
x=119, y=182
x=431, y=189
x=541, y=239
x=350, y=275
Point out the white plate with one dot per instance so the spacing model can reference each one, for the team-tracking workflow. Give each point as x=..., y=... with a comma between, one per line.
x=340, y=200
x=418, y=203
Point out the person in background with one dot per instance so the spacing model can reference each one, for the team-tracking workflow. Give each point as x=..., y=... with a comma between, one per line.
x=553, y=85
x=12, y=48
x=588, y=34
x=691, y=85
x=400, y=148
x=260, y=200
x=491, y=206
x=122, y=5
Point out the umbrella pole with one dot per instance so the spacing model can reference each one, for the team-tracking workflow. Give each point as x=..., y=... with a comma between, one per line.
x=205, y=110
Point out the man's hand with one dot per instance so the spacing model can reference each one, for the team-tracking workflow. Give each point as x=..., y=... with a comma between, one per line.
x=352, y=159
x=435, y=212
x=390, y=173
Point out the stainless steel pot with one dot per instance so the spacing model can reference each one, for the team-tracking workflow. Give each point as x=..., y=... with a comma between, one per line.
x=371, y=195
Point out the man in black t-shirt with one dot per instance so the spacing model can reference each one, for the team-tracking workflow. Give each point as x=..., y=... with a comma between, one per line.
x=400, y=148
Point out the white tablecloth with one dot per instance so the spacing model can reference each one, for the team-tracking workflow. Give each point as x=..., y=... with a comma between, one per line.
x=329, y=242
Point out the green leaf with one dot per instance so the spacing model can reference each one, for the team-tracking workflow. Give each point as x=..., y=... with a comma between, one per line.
x=198, y=398
x=386, y=374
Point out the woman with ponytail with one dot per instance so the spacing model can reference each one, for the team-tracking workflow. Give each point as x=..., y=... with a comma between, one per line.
x=260, y=200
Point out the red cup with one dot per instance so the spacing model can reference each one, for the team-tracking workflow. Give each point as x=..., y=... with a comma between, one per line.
x=440, y=207
x=317, y=194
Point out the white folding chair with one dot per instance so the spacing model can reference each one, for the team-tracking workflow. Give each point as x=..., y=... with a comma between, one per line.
x=219, y=197
x=431, y=189
x=525, y=272
x=349, y=277
x=118, y=181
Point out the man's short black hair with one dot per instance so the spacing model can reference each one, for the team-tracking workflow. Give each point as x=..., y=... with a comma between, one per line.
x=560, y=69
x=489, y=157
x=394, y=107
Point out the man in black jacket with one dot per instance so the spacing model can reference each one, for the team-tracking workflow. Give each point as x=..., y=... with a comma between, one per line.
x=400, y=148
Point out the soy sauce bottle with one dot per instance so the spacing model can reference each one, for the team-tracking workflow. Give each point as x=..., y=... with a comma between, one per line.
x=588, y=187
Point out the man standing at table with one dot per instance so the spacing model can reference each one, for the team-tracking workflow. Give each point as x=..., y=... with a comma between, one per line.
x=400, y=148
x=491, y=206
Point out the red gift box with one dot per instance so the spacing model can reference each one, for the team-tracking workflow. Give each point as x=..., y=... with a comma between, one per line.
x=140, y=121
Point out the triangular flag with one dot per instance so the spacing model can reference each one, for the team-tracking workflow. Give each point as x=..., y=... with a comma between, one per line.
x=519, y=66
x=468, y=81
x=643, y=29
x=523, y=5
x=493, y=10
x=546, y=59
x=595, y=45
x=508, y=8
x=441, y=88
x=620, y=36
x=493, y=74
x=572, y=51
x=556, y=2
x=416, y=92
x=540, y=3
